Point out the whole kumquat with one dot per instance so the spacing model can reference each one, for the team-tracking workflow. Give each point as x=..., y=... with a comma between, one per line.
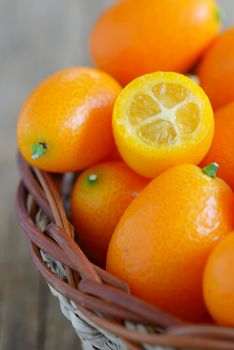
x=222, y=147
x=100, y=196
x=65, y=124
x=218, y=282
x=216, y=70
x=162, y=242
x=132, y=38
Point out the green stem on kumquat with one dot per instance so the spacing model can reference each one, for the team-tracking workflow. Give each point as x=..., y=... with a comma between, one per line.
x=219, y=14
x=38, y=150
x=211, y=170
x=92, y=179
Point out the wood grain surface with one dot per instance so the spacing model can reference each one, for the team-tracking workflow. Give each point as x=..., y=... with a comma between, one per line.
x=37, y=38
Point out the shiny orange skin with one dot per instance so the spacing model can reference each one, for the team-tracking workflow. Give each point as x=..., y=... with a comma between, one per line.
x=97, y=206
x=222, y=147
x=218, y=282
x=71, y=113
x=132, y=38
x=164, y=238
x=216, y=70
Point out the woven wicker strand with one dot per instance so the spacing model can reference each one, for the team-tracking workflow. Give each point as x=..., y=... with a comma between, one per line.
x=100, y=307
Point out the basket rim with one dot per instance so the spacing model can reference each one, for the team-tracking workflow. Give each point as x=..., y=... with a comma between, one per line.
x=93, y=289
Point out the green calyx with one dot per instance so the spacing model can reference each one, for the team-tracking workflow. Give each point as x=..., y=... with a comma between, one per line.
x=38, y=150
x=91, y=179
x=211, y=170
x=219, y=14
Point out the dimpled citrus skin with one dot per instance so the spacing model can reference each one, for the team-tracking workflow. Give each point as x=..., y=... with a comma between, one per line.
x=222, y=147
x=71, y=113
x=132, y=38
x=216, y=70
x=164, y=238
x=218, y=282
x=97, y=206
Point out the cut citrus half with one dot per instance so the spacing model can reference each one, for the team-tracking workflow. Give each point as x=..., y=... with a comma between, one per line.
x=161, y=120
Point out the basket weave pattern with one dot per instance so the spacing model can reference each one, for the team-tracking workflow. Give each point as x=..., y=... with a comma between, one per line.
x=100, y=307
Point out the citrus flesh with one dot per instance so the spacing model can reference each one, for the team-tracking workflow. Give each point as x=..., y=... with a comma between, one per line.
x=160, y=120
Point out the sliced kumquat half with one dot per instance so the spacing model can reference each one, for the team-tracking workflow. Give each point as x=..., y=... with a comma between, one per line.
x=161, y=120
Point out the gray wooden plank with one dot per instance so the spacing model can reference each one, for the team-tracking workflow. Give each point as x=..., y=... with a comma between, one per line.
x=19, y=323
x=37, y=38
x=43, y=296
x=68, y=338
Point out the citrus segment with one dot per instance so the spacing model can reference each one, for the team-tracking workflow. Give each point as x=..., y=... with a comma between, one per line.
x=169, y=95
x=188, y=118
x=142, y=107
x=166, y=116
x=162, y=115
x=159, y=131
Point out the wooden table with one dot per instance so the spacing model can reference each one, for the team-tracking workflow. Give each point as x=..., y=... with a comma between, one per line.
x=37, y=38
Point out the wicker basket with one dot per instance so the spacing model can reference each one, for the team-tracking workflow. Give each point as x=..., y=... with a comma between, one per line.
x=100, y=307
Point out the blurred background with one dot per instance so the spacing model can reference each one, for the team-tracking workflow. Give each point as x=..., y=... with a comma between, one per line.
x=37, y=38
